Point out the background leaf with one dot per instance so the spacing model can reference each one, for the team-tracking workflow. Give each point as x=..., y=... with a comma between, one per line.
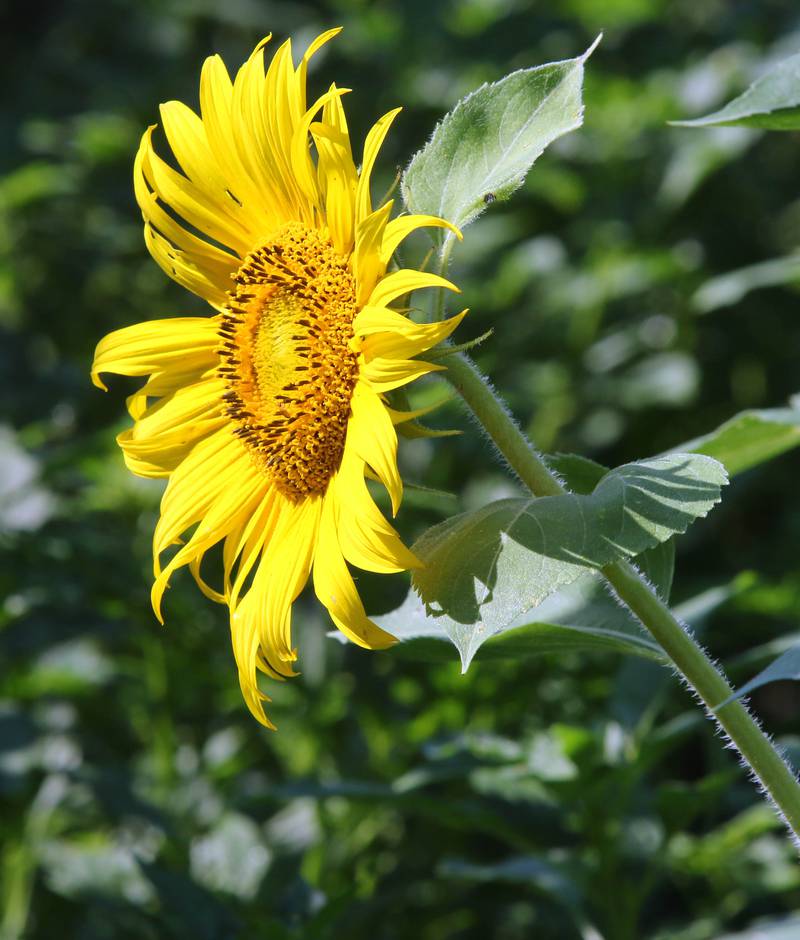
x=482, y=150
x=728, y=289
x=786, y=666
x=750, y=438
x=771, y=102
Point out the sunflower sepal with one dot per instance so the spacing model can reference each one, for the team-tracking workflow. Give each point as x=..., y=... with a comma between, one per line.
x=445, y=349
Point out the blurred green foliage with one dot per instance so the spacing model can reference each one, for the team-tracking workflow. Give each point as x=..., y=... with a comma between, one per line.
x=579, y=796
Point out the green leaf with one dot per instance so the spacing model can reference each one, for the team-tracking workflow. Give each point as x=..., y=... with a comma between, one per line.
x=658, y=565
x=771, y=102
x=749, y=438
x=482, y=150
x=580, y=617
x=728, y=289
x=486, y=569
x=581, y=476
x=786, y=666
x=547, y=877
x=580, y=473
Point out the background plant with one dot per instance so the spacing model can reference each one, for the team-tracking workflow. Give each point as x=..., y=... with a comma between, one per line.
x=570, y=794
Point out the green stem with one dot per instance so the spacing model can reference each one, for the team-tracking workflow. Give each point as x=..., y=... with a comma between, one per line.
x=712, y=687
x=491, y=412
x=689, y=658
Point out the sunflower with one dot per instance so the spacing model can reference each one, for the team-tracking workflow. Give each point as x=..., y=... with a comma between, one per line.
x=268, y=415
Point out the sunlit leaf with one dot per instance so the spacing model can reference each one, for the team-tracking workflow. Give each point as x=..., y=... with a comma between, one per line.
x=771, y=102
x=581, y=617
x=487, y=568
x=581, y=476
x=482, y=150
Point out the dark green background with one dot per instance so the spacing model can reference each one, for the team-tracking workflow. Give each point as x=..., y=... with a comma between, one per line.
x=545, y=798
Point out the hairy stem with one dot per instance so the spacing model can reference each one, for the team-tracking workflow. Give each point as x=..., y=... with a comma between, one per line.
x=708, y=681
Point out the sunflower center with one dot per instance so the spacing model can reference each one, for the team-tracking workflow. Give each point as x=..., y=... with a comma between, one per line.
x=286, y=358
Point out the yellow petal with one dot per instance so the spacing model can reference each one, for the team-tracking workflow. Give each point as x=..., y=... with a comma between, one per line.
x=367, y=264
x=201, y=209
x=400, y=417
x=304, y=170
x=187, y=269
x=335, y=588
x=166, y=382
x=213, y=486
x=169, y=429
x=372, y=145
x=371, y=435
x=192, y=262
x=261, y=623
x=159, y=456
x=365, y=537
x=414, y=339
x=385, y=374
x=402, y=227
x=403, y=282
x=243, y=548
x=155, y=345
x=337, y=173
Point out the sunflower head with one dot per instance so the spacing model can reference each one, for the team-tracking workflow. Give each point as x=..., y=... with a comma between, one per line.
x=267, y=414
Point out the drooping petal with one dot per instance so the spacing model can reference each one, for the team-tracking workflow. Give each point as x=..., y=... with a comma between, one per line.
x=335, y=588
x=401, y=227
x=213, y=487
x=155, y=345
x=372, y=436
x=404, y=282
x=261, y=622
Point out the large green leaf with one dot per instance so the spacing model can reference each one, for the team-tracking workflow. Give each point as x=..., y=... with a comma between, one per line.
x=580, y=617
x=486, y=569
x=750, y=438
x=771, y=102
x=581, y=476
x=482, y=150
